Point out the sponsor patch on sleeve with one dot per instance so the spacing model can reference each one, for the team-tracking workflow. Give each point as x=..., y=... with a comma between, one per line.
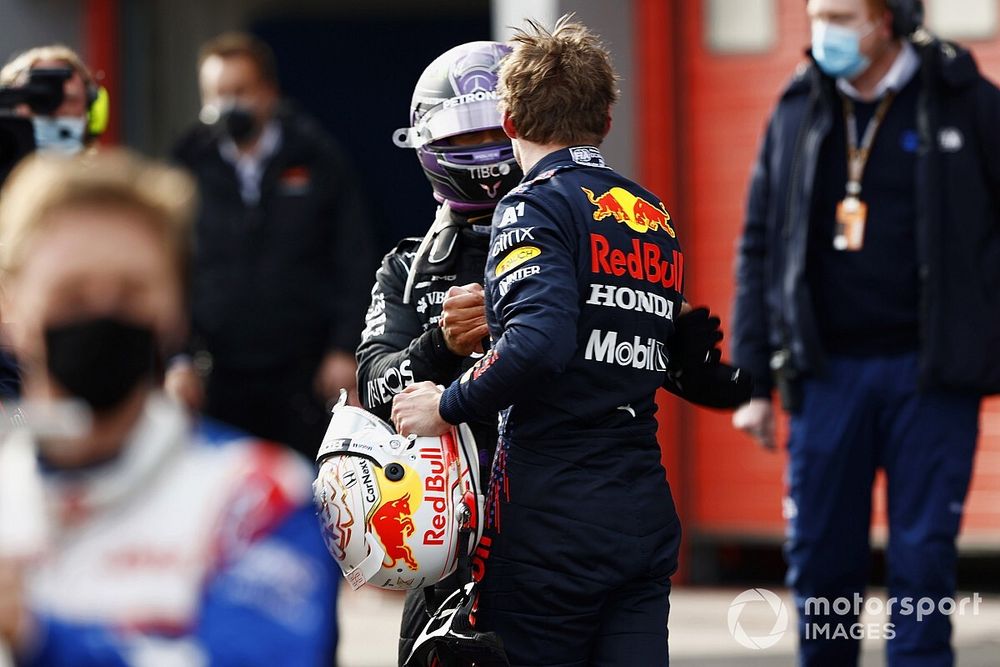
x=375, y=317
x=517, y=276
x=516, y=258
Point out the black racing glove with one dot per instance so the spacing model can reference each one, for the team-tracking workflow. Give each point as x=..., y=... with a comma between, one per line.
x=695, y=372
x=695, y=341
x=717, y=385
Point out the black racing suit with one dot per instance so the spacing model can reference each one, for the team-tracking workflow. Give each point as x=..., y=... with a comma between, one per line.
x=403, y=343
x=583, y=280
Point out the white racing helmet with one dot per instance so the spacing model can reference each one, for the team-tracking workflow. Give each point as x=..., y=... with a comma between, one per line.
x=396, y=512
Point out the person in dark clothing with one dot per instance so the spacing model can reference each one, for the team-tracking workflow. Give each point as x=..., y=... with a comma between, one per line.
x=867, y=283
x=427, y=319
x=584, y=284
x=280, y=242
x=10, y=377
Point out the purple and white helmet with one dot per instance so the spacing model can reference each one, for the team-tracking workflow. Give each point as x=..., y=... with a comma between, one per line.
x=456, y=94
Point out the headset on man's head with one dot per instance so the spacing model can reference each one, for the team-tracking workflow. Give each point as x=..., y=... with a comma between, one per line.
x=907, y=16
x=97, y=99
x=98, y=109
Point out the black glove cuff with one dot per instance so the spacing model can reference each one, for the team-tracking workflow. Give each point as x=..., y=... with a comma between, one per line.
x=718, y=385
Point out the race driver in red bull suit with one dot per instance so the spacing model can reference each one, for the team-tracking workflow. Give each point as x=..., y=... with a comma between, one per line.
x=584, y=283
x=427, y=319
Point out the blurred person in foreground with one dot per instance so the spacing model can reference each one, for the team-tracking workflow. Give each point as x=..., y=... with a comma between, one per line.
x=83, y=115
x=173, y=542
x=584, y=280
x=427, y=319
x=867, y=286
x=282, y=255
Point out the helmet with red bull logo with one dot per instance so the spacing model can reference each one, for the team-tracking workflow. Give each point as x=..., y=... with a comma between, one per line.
x=455, y=95
x=396, y=512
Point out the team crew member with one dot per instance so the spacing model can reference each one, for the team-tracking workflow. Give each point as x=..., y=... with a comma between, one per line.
x=172, y=543
x=427, y=319
x=584, y=284
x=868, y=279
x=280, y=241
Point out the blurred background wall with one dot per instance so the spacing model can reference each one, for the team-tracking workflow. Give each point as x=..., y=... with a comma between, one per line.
x=26, y=24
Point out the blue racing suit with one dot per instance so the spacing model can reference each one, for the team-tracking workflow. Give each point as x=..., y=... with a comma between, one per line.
x=583, y=279
x=196, y=545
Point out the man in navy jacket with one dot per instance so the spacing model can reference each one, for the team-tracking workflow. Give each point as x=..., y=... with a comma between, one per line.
x=867, y=294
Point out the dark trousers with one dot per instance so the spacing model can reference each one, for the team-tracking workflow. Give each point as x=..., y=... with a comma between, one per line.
x=578, y=559
x=861, y=415
x=557, y=619
x=277, y=404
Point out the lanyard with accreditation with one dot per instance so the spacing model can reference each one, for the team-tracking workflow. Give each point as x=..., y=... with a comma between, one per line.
x=852, y=212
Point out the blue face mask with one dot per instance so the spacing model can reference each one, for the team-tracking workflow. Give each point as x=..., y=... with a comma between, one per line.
x=837, y=50
x=62, y=135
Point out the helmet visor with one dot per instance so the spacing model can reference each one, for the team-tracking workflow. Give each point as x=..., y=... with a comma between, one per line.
x=348, y=421
x=444, y=122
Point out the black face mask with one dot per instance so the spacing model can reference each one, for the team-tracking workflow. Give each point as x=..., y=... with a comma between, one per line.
x=100, y=360
x=239, y=124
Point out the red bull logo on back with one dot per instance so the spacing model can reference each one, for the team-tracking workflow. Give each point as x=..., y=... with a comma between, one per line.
x=640, y=215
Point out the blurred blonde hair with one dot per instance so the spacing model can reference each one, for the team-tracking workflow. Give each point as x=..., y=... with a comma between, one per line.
x=43, y=186
x=14, y=72
x=558, y=86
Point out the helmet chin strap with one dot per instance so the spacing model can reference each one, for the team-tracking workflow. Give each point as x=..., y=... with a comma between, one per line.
x=366, y=570
x=442, y=220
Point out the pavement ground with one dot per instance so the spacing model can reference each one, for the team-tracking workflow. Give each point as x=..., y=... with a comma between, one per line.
x=699, y=630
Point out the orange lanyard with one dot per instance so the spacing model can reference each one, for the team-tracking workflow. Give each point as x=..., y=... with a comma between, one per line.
x=857, y=156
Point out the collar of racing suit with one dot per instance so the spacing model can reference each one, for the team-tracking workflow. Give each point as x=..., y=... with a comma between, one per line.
x=157, y=436
x=563, y=158
x=438, y=252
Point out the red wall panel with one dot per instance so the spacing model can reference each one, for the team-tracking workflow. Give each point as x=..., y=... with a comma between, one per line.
x=103, y=56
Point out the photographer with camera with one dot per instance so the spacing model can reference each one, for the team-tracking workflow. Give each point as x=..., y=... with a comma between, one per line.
x=50, y=102
x=60, y=124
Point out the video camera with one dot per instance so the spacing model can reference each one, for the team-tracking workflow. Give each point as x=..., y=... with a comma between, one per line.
x=43, y=93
